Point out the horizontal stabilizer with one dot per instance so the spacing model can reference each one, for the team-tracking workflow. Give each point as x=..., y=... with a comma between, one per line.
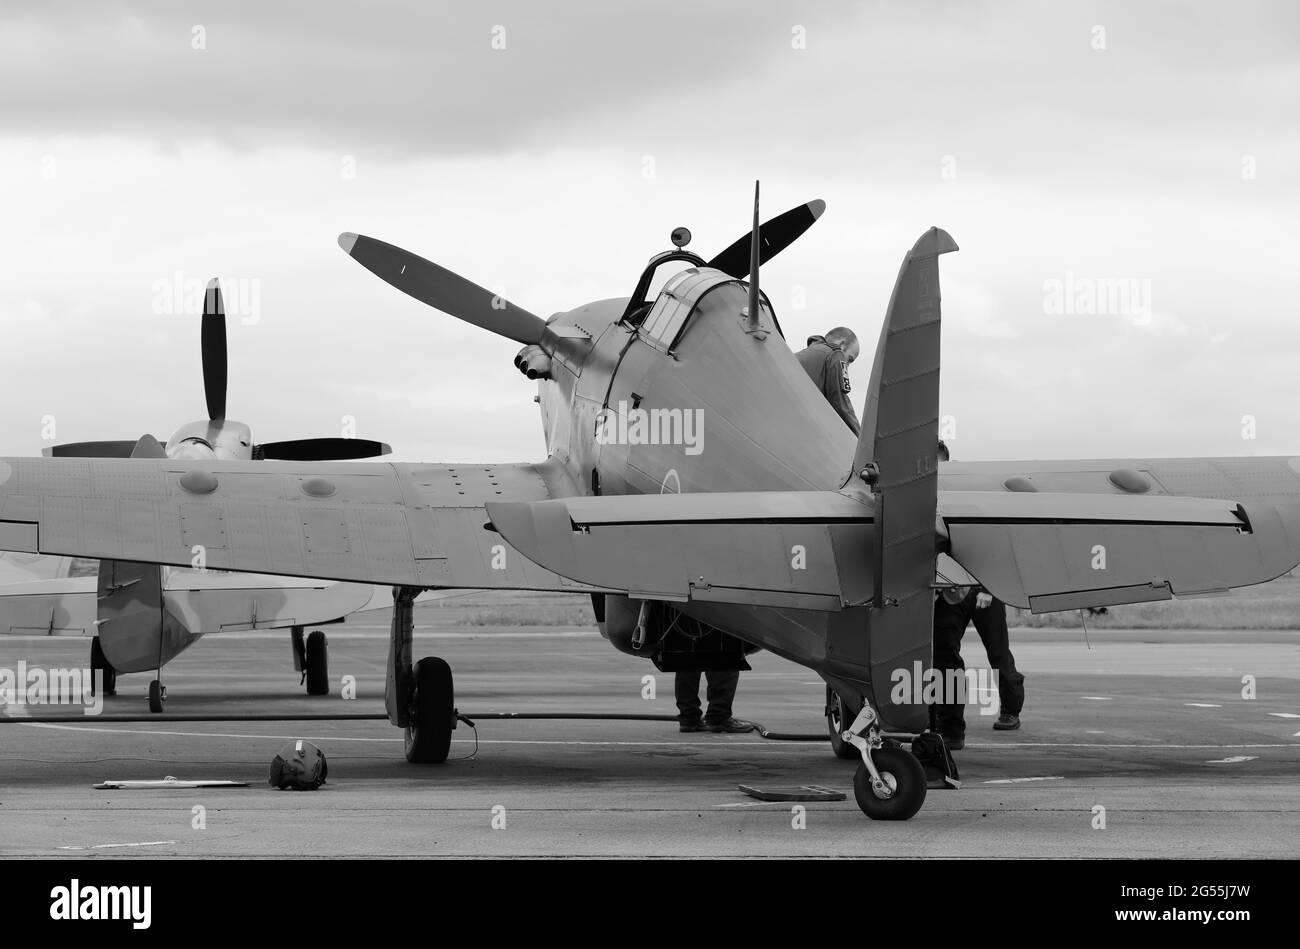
x=758, y=548
x=1048, y=552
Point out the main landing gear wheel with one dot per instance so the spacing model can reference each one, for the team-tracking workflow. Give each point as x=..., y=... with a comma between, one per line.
x=157, y=695
x=837, y=717
x=316, y=663
x=433, y=714
x=99, y=664
x=903, y=792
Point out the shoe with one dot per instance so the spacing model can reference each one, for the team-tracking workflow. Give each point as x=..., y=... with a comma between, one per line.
x=1006, y=722
x=732, y=726
x=692, y=726
x=954, y=744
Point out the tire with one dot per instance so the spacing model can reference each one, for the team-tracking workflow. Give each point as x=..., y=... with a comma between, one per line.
x=428, y=736
x=156, y=696
x=899, y=766
x=835, y=724
x=99, y=663
x=316, y=661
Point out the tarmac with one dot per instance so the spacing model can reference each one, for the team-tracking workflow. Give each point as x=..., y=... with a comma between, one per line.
x=1135, y=744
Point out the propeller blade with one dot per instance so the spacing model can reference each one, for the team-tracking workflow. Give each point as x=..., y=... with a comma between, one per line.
x=101, y=449
x=774, y=236
x=213, y=340
x=321, y=449
x=443, y=290
x=148, y=447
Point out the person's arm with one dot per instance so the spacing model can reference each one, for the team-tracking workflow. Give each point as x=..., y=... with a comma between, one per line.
x=837, y=386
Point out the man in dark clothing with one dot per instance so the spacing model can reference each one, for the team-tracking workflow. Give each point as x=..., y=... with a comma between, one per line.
x=826, y=360
x=721, y=693
x=954, y=608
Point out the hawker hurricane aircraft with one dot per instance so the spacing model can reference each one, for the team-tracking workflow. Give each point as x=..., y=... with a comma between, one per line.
x=699, y=487
x=142, y=615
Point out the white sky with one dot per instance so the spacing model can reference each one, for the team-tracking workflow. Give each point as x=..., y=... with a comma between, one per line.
x=128, y=157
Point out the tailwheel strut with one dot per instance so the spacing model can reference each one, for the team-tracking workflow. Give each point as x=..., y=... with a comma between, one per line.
x=889, y=783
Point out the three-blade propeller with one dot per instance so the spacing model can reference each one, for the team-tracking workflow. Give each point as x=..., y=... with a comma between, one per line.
x=215, y=373
x=451, y=293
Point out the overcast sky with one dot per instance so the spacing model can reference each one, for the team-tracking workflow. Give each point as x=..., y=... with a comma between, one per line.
x=547, y=150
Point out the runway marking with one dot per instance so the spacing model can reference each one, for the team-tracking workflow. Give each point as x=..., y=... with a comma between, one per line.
x=751, y=804
x=1096, y=698
x=143, y=843
x=1201, y=705
x=1284, y=714
x=1055, y=777
x=1235, y=759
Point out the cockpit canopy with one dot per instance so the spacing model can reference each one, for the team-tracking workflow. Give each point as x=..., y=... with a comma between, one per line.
x=692, y=292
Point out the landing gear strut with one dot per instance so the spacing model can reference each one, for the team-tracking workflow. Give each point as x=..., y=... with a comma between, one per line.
x=99, y=664
x=311, y=658
x=420, y=699
x=890, y=782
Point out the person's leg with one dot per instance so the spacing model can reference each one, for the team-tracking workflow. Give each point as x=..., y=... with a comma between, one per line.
x=687, y=688
x=948, y=718
x=991, y=624
x=721, y=694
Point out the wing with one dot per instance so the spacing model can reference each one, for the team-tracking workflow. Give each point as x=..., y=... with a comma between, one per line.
x=1273, y=479
x=367, y=522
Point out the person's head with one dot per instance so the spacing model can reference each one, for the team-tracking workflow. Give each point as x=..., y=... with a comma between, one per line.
x=943, y=450
x=845, y=339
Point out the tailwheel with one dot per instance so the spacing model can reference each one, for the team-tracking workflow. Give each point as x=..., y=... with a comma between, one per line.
x=837, y=715
x=157, y=695
x=316, y=664
x=99, y=664
x=432, y=713
x=902, y=785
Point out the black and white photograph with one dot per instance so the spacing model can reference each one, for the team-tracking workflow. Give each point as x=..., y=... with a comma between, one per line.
x=767, y=431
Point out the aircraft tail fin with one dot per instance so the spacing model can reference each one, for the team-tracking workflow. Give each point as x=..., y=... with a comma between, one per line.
x=900, y=419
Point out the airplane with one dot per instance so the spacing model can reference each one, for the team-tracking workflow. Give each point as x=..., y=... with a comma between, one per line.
x=142, y=615
x=768, y=526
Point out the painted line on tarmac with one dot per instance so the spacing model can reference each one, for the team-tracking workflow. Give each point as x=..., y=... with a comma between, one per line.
x=1055, y=777
x=1284, y=714
x=1201, y=705
x=1235, y=759
x=721, y=743
x=728, y=743
x=143, y=843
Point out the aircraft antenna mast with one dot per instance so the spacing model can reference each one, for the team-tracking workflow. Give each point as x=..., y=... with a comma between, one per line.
x=753, y=326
